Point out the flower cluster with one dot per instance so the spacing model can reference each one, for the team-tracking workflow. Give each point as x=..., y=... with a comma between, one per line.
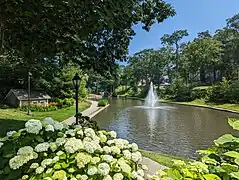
x=55, y=151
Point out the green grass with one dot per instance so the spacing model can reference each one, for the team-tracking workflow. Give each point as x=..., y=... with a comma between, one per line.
x=59, y=115
x=164, y=159
x=14, y=119
x=233, y=107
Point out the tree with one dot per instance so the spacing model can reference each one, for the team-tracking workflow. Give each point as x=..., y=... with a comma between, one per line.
x=91, y=33
x=202, y=54
x=174, y=39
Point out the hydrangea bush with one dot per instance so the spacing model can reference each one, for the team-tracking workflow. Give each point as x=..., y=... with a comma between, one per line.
x=51, y=150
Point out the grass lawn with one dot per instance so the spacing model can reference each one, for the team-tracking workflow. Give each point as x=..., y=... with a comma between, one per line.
x=163, y=159
x=232, y=107
x=13, y=119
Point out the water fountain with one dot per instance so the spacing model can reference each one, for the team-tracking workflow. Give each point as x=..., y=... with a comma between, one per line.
x=152, y=99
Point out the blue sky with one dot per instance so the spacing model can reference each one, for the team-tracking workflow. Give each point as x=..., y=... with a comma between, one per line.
x=193, y=15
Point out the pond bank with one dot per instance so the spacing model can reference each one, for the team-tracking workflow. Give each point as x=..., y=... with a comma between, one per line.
x=93, y=110
x=231, y=108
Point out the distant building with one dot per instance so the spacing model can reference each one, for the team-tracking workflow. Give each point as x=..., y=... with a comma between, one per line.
x=19, y=97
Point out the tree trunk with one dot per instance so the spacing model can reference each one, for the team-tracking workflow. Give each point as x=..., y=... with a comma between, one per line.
x=202, y=75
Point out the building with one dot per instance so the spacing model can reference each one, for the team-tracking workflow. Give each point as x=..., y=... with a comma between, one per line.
x=19, y=97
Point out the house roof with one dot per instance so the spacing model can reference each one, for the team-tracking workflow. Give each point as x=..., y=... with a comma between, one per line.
x=22, y=94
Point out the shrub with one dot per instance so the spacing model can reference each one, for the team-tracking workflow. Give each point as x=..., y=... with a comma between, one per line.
x=201, y=92
x=183, y=94
x=40, y=108
x=218, y=162
x=103, y=102
x=4, y=106
x=225, y=92
x=64, y=103
x=51, y=150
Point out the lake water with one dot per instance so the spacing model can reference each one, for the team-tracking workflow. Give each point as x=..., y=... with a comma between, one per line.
x=171, y=129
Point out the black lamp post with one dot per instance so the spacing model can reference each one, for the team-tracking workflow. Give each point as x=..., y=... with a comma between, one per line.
x=29, y=93
x=76, y=83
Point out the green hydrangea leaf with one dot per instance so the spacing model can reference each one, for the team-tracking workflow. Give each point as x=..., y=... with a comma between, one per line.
x=237, y=161
x=229, y=167
x=232, y=154
x=234, y=123
x=235, y=175
x=209, y=160
x=227, y=138
x=211, y=177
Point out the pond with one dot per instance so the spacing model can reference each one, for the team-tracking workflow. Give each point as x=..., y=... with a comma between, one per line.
x=171, y=129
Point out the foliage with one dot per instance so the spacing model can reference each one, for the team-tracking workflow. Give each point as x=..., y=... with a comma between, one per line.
x=92, y=34
x=103, y=102
x=200, y=92
x=63, y=103
x=52, y=150
x=40, y=108
x=218, y=162
x=225, y=92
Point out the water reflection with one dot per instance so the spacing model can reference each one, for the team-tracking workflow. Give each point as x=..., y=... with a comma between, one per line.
x=173, y=129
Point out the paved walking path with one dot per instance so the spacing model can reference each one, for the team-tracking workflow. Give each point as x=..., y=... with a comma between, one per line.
x=88, y=112
x=153, y=166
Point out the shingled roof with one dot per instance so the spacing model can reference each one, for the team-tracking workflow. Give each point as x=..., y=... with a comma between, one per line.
x=22, y=94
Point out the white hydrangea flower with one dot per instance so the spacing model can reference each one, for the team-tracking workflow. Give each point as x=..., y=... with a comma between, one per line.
x=60, y=141
x=59, y=153
x=140, y=172
x=82, y=159
x=134, y=147
x=140, y=178
x=144, y=167
x=118, y=176
x=107, y=158
x=113, y=134
x=33, y=126
x=77, y=126
x=49, y=127
x=58, y=126
x=17, y=161
x=53, y=146
x=25, y=177
x=134, y=174
x=91, y=146
x=107, y=149
x=103, y=169
x=115, y=150
x=55, y=159
x=26, y=150
x=124, y=166
x=39, y=170
x=46, y=162
x=1, y=144
x=127, y=154
x=71, y=132
x=72, y=145
x=48, y=171
x=10, y=133
x=73, y=178
x=42, y=147
x=103, y=138
x=92, y=170
x=110, y=142
x=107, y=177
x=80, y=132
x=95, y=160
x=136, y=157
x=48, y=120
x=84, y=177
x=89, y=132
x=34, y=166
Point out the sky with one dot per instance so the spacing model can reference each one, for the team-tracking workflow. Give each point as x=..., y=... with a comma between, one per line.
x=193, y=15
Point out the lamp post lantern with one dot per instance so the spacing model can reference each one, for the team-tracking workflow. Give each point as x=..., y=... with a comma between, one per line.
x=29, y=93
x=76, y=83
